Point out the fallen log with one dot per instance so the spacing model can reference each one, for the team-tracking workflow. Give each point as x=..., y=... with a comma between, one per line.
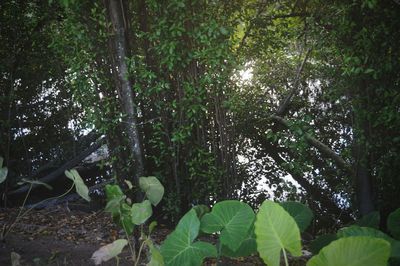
x=60, y=171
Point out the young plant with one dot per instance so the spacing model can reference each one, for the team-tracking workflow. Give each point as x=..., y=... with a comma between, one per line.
x=128, y=215
x=72, y=174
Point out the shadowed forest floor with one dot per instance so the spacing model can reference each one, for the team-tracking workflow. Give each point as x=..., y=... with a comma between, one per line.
x=63, y=237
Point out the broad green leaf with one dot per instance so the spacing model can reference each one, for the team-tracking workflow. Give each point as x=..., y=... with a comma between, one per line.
x=113, y=205
x=140, y=212
x=233, y=218
x=322, y=241
x=15, y=259
x=153, y=188
x=125, y=218
x=152, y=225
x=300, y=213
x=156, y=259
x=353, y=251
x=3, y=174
x=36, y=182
x=109, y=251
x=393, y=223
x=113, y=191
x=80, y=186
x=201, y=210
x=276, y=231
x=178, y=249
x=372, y=220
x=368, y=231
x=247, y=248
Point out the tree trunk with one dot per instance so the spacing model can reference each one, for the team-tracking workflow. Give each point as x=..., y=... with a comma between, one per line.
x=119, y=53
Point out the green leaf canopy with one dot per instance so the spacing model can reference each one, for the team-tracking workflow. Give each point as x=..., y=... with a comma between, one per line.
x=233, y=218
x=371, y=219
x=179, y=249
x=353, y=251
x=276, y=231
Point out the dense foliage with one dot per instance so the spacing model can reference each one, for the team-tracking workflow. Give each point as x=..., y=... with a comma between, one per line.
x=249, y=100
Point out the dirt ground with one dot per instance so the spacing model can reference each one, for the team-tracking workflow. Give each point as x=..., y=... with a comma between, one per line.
x=61, y=236
x=64, y=237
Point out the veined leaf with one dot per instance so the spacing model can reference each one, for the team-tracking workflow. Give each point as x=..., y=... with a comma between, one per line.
x=300, y=213
x=247, y=247
x=109, y=251
x=36, y=182
x=233, y=218
x=178, y=249
x=321, y=242
x=153, y=188
x=80, y=186
x=368, y=231
x=276, y=231
x=140, y=212
x=372, y=220
x=353, y=251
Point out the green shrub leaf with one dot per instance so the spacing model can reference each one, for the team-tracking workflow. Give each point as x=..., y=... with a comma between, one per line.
x=140, y=212
x=247, y=248
x=300, y=213
x=80, y=186
x=393, y=223
x=322, y=241
x=371, y=219
x=156, y=259
x=178, y=249
x=3, y=171
x=153, y=188
x=276, y=231
x=353, y=251
x=113, y=191
x=109, y=251
x=201, y=210
x=36, y=182
x=367, y=231
x=233, y=218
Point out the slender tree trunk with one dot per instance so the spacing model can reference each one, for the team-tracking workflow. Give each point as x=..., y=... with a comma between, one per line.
x=119, y=53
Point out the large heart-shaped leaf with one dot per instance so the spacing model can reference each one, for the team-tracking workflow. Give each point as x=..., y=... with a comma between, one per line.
x=353, y=251
x=80, y=186
x=109, y=251
x=140, y=212
x=178, y=249
x=371, y=219
x=368, y=231
x=153, y=188
x=300, y=213
x=248, y=247
x=393, y=223
x=233, y=218
x=276, y=231
x=321, y=242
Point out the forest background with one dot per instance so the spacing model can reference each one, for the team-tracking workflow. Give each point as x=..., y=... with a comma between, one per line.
x=286, y=100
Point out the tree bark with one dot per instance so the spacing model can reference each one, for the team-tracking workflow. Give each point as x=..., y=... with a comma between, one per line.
x=120, y=53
